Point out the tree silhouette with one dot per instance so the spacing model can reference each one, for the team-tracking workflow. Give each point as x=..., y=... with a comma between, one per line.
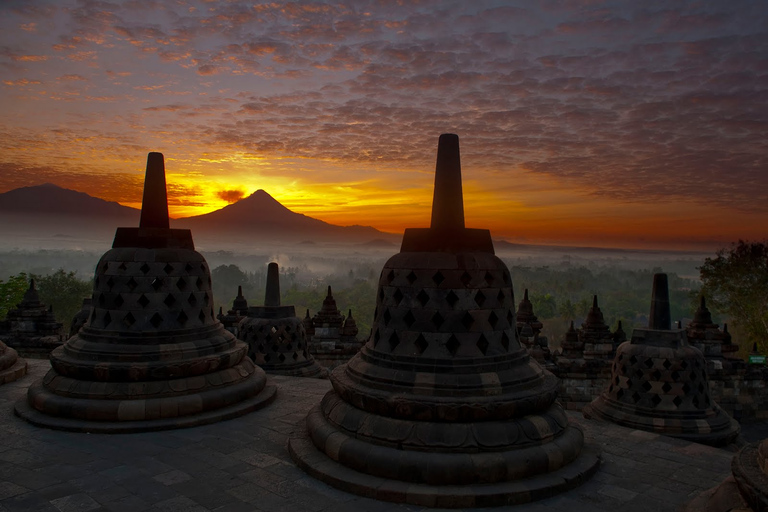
x=736, y=283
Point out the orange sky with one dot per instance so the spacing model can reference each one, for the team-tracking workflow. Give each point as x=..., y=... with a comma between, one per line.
x=602, y=124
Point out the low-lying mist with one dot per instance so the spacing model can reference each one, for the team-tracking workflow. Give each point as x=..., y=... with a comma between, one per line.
x=561, y=281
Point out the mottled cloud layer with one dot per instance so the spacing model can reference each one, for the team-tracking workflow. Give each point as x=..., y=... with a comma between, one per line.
x=619, y=102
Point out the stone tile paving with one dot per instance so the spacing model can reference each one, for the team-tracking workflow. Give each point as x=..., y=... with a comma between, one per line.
x=243, y=465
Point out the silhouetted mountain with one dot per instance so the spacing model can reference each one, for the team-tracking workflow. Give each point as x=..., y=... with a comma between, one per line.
x=260, y=215
x=49, y=215
x=50, y=199
x=46, y=216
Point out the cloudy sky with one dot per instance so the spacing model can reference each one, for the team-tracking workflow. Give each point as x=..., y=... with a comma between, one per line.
x=609, y=123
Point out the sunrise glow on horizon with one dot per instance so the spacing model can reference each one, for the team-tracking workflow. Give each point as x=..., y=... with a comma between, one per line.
x=593, y=123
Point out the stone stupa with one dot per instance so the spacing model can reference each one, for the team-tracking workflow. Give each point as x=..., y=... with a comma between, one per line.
x=659, y=383
x=704, y=334
x=231, y=321
x=276, y=338
x=31, y=327
x=152, y=355
x=529, y=330
x=332, y=338
x=443, y=407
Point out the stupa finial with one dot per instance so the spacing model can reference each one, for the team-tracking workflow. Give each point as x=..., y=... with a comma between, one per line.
x=448, y=200
x=272, y=296
x=154, y=206
x=660, y=318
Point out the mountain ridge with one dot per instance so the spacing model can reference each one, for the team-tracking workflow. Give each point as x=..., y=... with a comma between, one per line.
x=242, y=218
x=258, y=215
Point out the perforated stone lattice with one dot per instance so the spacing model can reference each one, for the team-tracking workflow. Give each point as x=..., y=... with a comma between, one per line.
x=660, y=383
x=272, y=343
x=134, y=295
x=444, y=312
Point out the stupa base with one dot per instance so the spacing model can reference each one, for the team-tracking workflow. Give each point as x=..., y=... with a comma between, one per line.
x=715, y=430
x=749, y=471
x=512, y=492
x=16, y=370
x=37, y=418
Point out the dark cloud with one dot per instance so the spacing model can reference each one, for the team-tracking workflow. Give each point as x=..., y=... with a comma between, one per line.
x=231, y=196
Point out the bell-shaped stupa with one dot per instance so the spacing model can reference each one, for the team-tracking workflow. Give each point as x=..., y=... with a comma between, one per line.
x=443, y=407
x=276, y=338
x=659, y=383
x=152, y=354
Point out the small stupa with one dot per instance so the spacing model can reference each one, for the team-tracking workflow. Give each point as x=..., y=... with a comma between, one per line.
x=572, y=347
x=596, y=336
x=529, y=330
x=443, y=407
x=619, y=336
x=31, y=327
x=329, y=320
x=152, y=355
x=659, y=383
x=349, y=331
x=276, y=338
x=706, y=335
x=237, y=314
x=585, y=359
x=332, y=338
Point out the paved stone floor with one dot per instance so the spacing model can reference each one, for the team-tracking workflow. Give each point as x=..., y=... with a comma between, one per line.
x=243, y=465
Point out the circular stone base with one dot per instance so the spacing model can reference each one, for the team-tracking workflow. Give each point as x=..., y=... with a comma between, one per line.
x=750, y=477
x=18, y=370
x=514, y=492
x=717, y=430
x=35, y=417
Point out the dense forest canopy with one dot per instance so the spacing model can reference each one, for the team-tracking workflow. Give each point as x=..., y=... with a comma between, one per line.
x=561, y=288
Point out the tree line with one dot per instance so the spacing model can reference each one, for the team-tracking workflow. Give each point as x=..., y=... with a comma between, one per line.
x=735, y=282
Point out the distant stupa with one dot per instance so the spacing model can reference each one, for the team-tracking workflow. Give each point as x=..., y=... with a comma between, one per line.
x=276, y=338
x=659, y=383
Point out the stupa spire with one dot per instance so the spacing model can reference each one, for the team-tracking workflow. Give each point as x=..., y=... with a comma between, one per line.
x=448, y=200
x=272, y=295
x=154, y=206
x=660, y=318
